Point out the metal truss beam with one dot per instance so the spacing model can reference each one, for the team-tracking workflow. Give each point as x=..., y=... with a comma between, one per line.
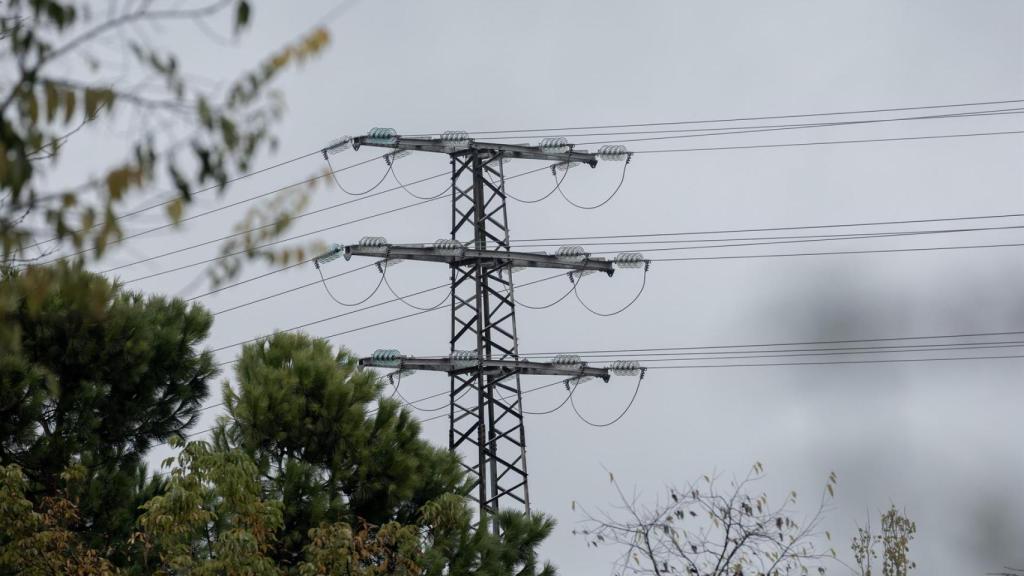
x=462, y=257
x=492, y=368
x=473, y=147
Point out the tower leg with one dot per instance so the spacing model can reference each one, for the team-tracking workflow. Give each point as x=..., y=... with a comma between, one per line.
x=486, y=417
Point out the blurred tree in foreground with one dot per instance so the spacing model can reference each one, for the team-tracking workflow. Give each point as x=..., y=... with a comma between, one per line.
x=705, y=530
x=92, y=376
x=184, y=134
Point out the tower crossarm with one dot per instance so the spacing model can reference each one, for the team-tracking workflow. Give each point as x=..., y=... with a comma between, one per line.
x=495, y=368
x=462, y=256
x=438, y=145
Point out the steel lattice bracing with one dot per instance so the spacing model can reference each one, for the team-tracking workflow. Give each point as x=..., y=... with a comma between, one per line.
x=486, y=424
x=486, y=416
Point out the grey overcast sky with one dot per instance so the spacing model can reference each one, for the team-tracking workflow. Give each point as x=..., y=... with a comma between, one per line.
x=940, y=439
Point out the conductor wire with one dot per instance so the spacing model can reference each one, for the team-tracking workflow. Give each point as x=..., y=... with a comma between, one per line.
x=559, y=407
x=370, y=295
x=622, y=179
x=410, y=304
x=342, y=188
x=558, y=182
x=410, y=192
x=575, y=285
x=617, y=418
x=545, y=306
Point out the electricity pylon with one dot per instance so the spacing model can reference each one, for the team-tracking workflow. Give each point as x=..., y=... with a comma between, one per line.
x=485, y=414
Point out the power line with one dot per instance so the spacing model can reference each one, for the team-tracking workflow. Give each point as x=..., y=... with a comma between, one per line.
x=368, y=307
x=675, y=357
x=795, y=343
x=199, y=215
x=771, y=240
x=273, y=242
x=664, y=235
x=282, y=269
x=223, y=256
x=613, y=421
x=743, y=119
x=783, y=127
x=343, y=332
x=838, y=362
x=254, y=229
x=837, y=238
x=837, y=253
x=698, y=366
x=663, y=356
x=735, y=130
x=773, y=229
x=283, y=292
x=253, y=279
x=370, y=411
x=559, y=275
x=198, y=192
x=820, y=143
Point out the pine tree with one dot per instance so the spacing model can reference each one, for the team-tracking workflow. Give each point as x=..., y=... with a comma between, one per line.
x=94, y=375
x=302, y=412
x=349, y=479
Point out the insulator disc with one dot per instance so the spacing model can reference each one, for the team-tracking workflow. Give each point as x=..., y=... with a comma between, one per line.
x=629, y=260
x=612, y=152
x=557, y=144
x=382, y=136
x=373, y=242
x=624, y=367
x=571, y=253
x=567, y=360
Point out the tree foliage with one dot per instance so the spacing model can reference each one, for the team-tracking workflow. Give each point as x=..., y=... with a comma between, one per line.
x=94, y=375
x=56, y=55
x=310, y=472
x=352, y=471
x=219, y=511
x=40, y=539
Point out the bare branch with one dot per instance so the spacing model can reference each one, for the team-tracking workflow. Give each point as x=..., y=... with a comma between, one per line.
x=141, y=13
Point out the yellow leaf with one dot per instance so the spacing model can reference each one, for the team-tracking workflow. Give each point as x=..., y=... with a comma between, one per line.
x=52, y=101
x=69, y=105
x=175, y=209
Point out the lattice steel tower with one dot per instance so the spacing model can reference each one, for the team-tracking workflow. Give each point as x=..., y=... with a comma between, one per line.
x=486, y=415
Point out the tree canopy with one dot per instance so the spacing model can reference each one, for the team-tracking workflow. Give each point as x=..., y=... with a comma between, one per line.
x=310, y=471
x=94, y=375
x=332, y=450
